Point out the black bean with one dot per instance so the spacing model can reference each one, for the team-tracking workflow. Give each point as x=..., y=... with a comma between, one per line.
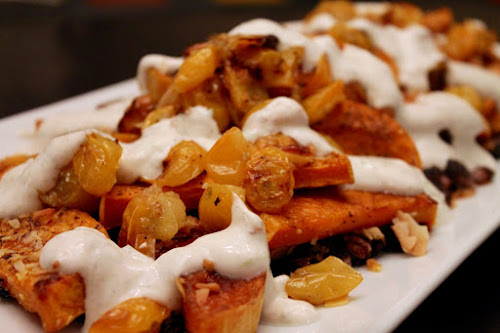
x=437, y=77
x=482, y=175
x=358, y=246
x=438, y=178
x=459, y=175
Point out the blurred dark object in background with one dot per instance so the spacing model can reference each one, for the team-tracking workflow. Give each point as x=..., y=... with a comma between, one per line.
x=50, y=53
x=53, y=52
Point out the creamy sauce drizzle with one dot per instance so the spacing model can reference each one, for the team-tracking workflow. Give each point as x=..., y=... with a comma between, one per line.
x=412, y=48
x=143, y=158
x=20, y=186
x=433, y=112
x=280, y=310
x=113, y=275
x=285, y=115
x=371, y=174
x=486, y=82
x=353, y=63
x=395, y=176
x=165, y=64
x=349, y=64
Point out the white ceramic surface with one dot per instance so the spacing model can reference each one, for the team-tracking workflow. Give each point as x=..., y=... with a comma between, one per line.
x=382, y=300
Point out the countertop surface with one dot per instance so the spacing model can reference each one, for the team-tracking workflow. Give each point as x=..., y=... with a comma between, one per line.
x=51, y=53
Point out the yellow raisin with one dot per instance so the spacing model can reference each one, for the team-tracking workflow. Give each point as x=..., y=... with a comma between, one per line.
x=130, y=316
x=184, y=162
x=199, y=66
x=95, y=164
x=215, y=205
x=225, y=161
x=69, y=193
x=158, y=114
x=349, y=35
x=469, y=94
x=150, y=215
x=327, y=280
x=269, y=180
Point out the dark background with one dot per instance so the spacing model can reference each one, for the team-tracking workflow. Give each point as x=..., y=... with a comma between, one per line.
x=48, y=53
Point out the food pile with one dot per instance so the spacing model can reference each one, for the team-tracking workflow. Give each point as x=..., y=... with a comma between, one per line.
x=249, y=176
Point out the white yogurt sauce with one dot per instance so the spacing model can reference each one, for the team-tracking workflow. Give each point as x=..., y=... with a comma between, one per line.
x=351, y=63
x=143, y=158
x=280, y=310
x=433, y=112
x=285, y=115
x=486, y=82
x=371, y=174
x=165, y=64
x=21, y=186
x=105, y=118
x=412, y=48
x=395, y=176
x=113, y=275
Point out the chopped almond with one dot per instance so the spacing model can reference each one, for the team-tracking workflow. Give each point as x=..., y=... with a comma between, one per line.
x=412, y=236
x=212, y=286
x=201, y=296
x=373, y=233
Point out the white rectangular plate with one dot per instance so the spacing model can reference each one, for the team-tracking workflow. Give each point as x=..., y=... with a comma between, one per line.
x=382, y=300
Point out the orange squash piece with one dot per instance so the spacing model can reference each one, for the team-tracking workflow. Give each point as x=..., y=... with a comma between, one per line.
x=334, y=169
x=114, y=202
x=316, y=214
x=214, y=303
x=362, y=130
x=57, y=299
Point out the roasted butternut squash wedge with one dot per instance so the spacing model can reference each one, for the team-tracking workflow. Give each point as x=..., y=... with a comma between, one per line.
x=321, y=213
x=362, y=130
x=214, y=303
x=114, y=202
x=57, y=299
x=333, y=169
